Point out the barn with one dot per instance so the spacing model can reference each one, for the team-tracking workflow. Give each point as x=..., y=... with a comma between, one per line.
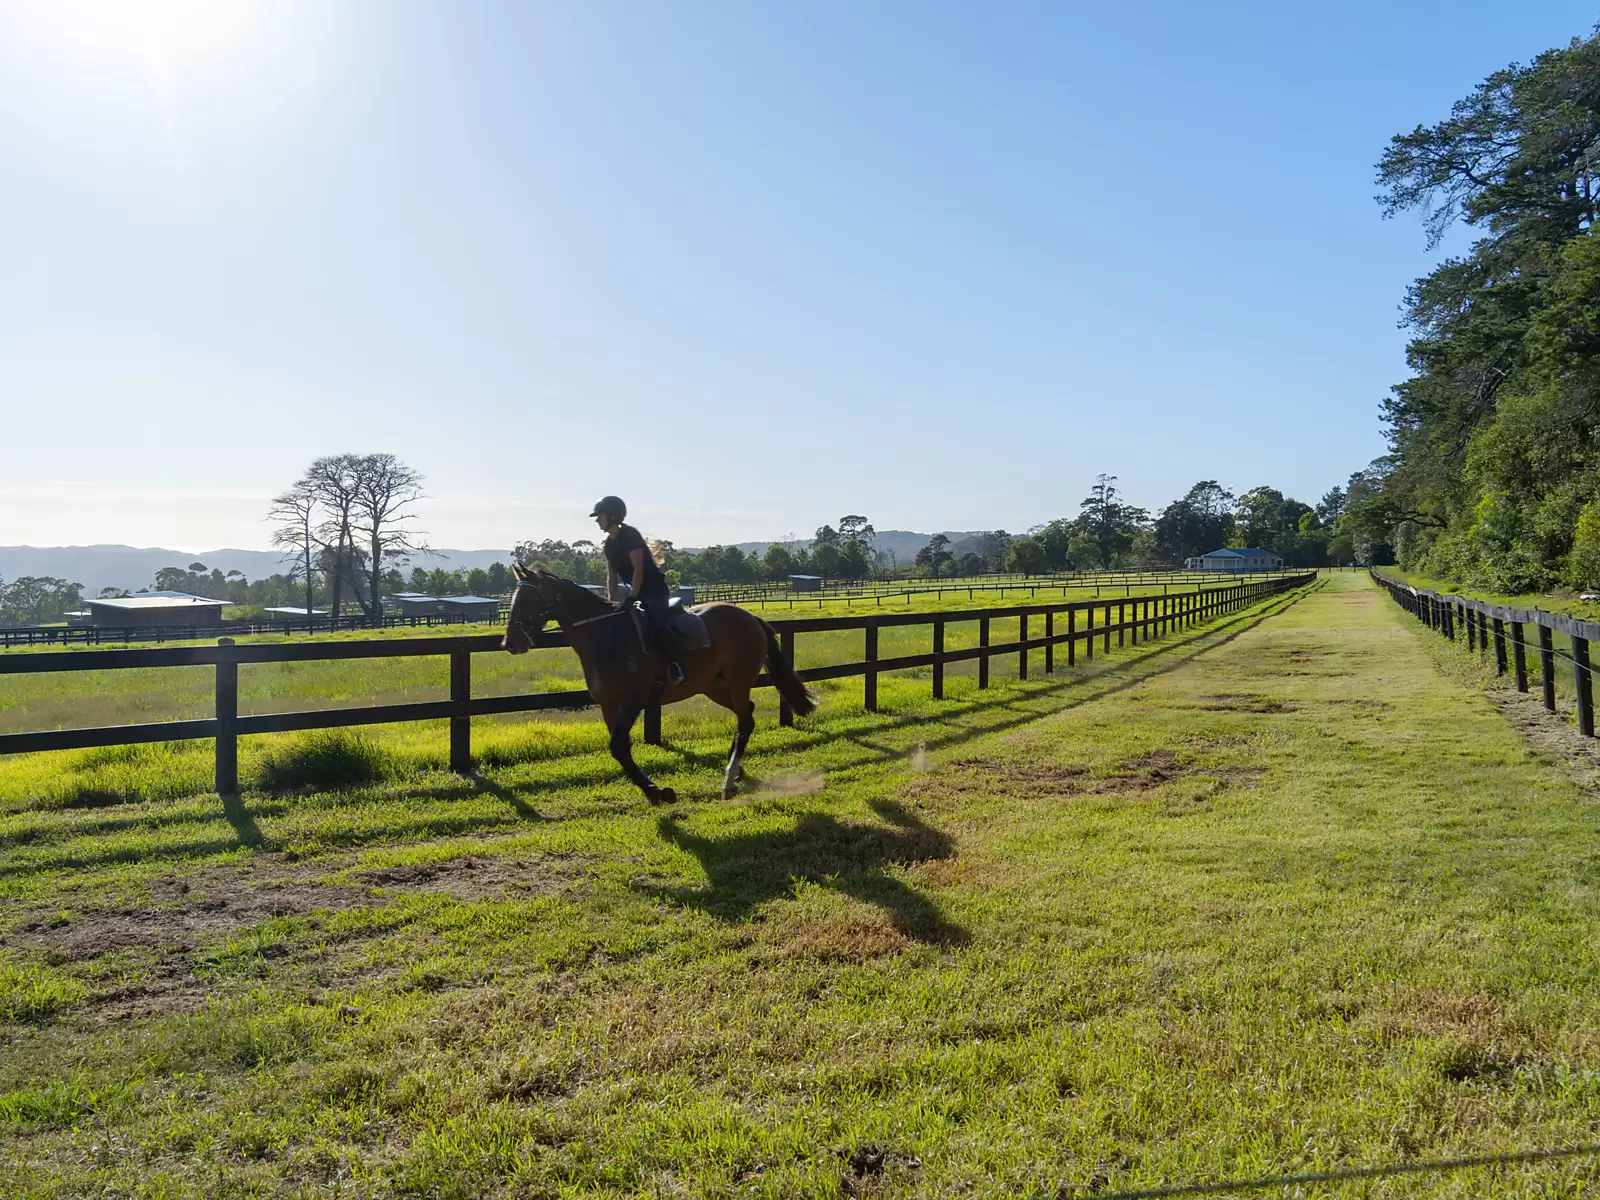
x=470, y=608
x=417, y=604
x=149, y=610
x=805, y=583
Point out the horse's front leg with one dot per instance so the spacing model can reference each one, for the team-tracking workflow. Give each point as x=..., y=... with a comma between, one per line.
x=622, y=751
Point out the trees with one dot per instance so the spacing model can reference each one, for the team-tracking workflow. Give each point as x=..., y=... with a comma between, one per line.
x=1201, y=520
x=778, y=564
x=294, y=517
x=381, y=515
x=1495, y=437
x=348, y=519
x=37, y=599
x=1109, y=522
x=934, y=555
x=1025, y=556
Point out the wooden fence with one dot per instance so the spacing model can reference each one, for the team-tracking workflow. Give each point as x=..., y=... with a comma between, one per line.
x=1139, y=617
x=974, y=586
x=1483, y=623
x=94, y=635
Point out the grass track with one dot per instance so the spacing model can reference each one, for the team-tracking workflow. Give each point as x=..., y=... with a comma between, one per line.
x=1278, y=897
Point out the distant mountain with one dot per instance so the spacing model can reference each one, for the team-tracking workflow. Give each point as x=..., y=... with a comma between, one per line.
x=134, y=567
x=902, y=543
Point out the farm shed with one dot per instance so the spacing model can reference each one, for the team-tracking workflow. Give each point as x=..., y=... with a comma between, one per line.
x=470, y=608
x=290, y=613
x=417, y=604
x=805, y=583
x=1247, y=559
x=150, y=609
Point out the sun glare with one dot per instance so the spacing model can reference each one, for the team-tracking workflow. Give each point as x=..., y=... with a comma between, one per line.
x=160, y=35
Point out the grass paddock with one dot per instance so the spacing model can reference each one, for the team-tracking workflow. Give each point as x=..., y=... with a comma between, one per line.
x=1275, y=897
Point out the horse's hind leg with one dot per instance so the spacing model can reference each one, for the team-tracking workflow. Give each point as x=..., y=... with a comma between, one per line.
x=622, y=751
x=745, y=711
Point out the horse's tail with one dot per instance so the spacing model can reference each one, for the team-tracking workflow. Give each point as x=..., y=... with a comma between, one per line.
x=799, y=697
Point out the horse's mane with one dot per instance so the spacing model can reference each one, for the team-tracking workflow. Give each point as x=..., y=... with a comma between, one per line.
x=575, y=591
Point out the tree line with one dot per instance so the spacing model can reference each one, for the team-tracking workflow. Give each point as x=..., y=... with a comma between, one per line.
x=1107, y=533
x=1493, y=474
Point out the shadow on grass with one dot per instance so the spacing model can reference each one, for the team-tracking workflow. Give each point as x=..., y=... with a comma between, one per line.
x=747, y=870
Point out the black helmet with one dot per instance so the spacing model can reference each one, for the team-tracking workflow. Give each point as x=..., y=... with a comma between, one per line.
x=610, y=506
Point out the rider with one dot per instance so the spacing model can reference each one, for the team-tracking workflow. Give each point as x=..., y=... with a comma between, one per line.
x=630, y=560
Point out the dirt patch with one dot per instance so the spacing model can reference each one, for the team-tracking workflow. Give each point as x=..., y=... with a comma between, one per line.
x=1244, y=702
x=866, y=1166
x=474, y=878
x=855, y=937
x=178, y=926
x=1143, y=773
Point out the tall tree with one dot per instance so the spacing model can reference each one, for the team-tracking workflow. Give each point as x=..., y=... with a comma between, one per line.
x=381, y=515
x=294, y=517
x=1107, y=520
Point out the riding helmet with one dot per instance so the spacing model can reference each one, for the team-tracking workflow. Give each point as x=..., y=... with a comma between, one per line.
x=611, y=506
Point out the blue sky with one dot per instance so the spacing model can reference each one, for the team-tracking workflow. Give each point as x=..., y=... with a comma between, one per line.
x=751, y=266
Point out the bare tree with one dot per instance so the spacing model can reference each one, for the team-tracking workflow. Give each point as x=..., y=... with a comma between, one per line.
x=295, y=514
x=385, y=490
x=335, y=482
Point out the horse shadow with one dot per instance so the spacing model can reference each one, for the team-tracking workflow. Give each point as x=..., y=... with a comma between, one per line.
x=746, y=871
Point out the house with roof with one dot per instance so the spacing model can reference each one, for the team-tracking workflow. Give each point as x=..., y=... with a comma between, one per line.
x=1249, y=558
x=149, y=610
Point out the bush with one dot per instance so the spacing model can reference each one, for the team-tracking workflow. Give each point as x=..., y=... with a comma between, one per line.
x=322, y=758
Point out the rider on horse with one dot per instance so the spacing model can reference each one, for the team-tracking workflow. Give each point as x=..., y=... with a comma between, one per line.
x=628, y=559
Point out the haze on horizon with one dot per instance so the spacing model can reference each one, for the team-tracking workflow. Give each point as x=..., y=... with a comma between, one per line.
x=750, y=266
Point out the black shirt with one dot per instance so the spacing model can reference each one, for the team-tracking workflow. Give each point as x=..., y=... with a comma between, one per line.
x=620, y=545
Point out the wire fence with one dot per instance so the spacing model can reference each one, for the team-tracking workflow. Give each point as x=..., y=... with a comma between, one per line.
x=1506, y=629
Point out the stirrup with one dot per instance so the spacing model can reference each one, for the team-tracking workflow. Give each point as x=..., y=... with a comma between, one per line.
x=675, y=673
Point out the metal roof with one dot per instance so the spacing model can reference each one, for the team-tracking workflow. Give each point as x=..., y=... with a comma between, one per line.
x=299, y=612
x=468, y=600
x=158, y=600
x=1247, y=552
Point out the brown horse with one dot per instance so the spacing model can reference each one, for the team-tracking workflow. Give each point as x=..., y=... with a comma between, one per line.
x=622, y=677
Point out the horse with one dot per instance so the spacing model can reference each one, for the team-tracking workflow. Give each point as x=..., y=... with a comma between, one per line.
x=623, y=677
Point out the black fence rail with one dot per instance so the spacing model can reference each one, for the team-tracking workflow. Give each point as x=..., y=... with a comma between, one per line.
x=94, y=635
x=1140, y=618
x=1483, y=623
x=973, y=587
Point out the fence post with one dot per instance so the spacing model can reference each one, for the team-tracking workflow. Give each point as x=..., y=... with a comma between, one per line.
x=1499, y=646
x=227, y=711
x=1106, y=645
x=1580, y=673
x=983, y=659
x=938, y=658
x=1088, y=641
x=1519, y=656
x=1472, y=628
x=870, y=691
x=786, y=641
x=1072, y=637
x=1122, y=624
x=1022, y=655
x=1449, y=619
x=461, y=719
x=1547, y=667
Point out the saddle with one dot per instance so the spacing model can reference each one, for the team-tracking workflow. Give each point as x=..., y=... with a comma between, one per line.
x=684, y=628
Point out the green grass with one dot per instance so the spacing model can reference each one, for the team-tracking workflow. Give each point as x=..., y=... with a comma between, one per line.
x=1277, y=897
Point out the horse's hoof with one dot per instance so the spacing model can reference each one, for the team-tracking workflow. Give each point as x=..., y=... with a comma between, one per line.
x=664, y=796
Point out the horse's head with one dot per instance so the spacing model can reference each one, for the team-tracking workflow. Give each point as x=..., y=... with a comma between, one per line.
x=532, y=606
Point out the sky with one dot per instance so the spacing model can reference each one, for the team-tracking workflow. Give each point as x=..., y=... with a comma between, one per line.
x=750, y=265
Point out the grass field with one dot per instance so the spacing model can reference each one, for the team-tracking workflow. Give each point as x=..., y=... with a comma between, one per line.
x=1280, y=896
